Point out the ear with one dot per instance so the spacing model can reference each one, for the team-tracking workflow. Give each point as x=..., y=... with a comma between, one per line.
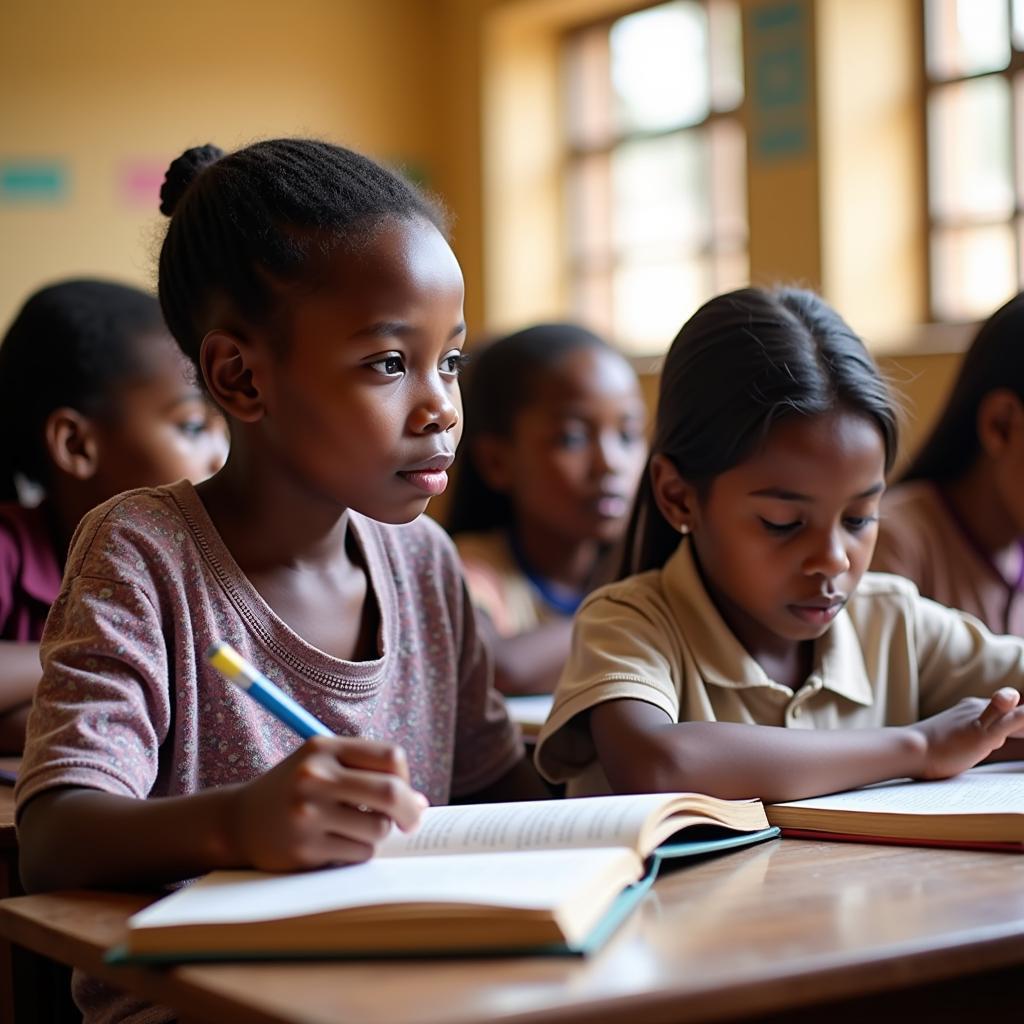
x=72, y=443
x=1000, y=422
x=231, y=367
x=492, y=456
x=675, y=497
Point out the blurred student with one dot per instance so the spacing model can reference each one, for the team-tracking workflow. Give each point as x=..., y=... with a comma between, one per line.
x=954, y=524
x=95, y=398
x=553, y=452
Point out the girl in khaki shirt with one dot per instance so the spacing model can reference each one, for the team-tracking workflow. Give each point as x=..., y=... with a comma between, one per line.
x=744, y=652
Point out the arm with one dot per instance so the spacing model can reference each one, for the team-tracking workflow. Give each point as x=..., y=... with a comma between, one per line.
x=641, y=749
x=530, y=662
x=330, y=802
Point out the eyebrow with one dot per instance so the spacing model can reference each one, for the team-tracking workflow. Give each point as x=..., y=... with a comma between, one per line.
x=783, y=495
x=390, y=328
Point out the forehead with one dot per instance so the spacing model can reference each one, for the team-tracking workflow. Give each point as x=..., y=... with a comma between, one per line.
x=840, y=451
x=587, y=375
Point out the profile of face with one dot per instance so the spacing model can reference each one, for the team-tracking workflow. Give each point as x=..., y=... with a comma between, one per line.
x=572, y=462
x=783, y=538
x=360, y=408
x=1000, y=425
x=162, y=427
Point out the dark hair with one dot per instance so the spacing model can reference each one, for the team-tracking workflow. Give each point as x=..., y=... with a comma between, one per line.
x=71, y=344
x=501, y=381
x=994, y=360
x=743, y=362
x=247, y=224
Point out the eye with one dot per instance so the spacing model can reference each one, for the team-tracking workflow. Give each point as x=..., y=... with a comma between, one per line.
x=193, y=427
x=454, y=363
x=772, y=527
x=389, y=366
x=573, y=438
x=857, y=523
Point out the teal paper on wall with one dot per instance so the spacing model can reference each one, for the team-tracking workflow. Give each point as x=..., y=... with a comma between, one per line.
x=32, y=181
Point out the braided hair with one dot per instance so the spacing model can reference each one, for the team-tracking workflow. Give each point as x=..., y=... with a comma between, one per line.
x=245, y=225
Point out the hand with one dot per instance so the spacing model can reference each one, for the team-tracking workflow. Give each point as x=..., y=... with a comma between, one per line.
x=330, y=802
x=968, y=732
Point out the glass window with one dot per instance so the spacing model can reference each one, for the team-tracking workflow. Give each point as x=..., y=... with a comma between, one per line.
x=975, y=108
x=655, y=168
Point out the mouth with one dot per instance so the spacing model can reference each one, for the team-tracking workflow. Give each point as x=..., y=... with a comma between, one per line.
x=818, y=612
x=430, y=475
x=612, y=506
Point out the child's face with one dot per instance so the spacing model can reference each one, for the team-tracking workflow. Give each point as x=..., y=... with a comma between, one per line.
x=362, y=409
x=574, y=459
x=784, y=538
x=164, y=428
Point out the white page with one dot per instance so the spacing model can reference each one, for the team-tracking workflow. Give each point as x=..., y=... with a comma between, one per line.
x=986, y=790
x=531, y=879
x=531, y=710
x=530, y=825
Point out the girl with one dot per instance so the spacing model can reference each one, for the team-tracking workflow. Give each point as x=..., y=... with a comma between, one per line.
x=323, y=306
x=553, y=452
x=95, y=398
x=954, y=524
x=744, y=652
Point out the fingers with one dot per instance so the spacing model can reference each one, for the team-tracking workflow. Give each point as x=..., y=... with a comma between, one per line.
x=372, y=756
x=1001, y=703
x=1011, y=723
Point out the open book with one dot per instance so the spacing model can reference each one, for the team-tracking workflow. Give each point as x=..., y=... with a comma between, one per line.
x=544, y=876
x=981, y=809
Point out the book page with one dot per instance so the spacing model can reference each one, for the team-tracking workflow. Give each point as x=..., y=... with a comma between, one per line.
x=530, y=825
x=991, y=789
x=531, y=879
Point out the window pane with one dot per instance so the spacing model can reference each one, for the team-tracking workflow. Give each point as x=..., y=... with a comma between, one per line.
x=592, y=301
x=659, y=67
x=654, y=299
x=973, y=270
x=588, y=90
x=732, y=270
x=969, y=131
x=728, y=179
x=726, y=54
x=966, y=37
x=589, y=206
x=660, y=191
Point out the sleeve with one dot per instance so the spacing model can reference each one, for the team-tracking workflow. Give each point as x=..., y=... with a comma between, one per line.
x=959, y=657
x=10, y=567
x=102, y=709
x=487, y=743
x=617, y=652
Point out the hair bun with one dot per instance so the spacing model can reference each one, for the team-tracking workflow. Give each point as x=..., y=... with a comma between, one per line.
x=183, y=172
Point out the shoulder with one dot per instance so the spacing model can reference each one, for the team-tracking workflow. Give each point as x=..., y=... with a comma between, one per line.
x=28, y=558
x=639, y=596
x=909, y=507
x=490, y=547
x=888, y=602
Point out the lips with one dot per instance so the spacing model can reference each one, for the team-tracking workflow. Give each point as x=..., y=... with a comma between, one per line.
x=818, y=611
x=430, y=475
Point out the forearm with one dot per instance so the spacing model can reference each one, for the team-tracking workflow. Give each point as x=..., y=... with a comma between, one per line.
x=531, y=662
x=739, y=761
x=81, y=838
x=19, y=673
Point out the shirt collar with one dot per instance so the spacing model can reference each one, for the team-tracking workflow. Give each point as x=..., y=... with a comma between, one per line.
x=722, y=660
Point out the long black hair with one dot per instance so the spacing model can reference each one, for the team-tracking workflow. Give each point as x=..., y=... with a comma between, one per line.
x=71, y=344
x=501, y=381
x=247, y=224
x=743, y=362
x=994, y=360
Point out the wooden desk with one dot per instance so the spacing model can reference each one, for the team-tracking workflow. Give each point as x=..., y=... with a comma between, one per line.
x=791, y=930
x=9, y=884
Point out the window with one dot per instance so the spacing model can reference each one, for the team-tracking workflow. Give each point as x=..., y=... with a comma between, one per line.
x=974, y=66
x=655, y=184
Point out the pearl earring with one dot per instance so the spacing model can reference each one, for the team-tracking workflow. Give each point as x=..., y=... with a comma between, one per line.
x=684, y=529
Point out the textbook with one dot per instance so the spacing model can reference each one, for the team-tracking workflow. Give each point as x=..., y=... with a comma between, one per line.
x=480, y=879
x=980, y=809
x=530, y=713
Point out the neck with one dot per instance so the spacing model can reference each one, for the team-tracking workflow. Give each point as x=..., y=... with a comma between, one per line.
x=975, y=500
x=570, y=565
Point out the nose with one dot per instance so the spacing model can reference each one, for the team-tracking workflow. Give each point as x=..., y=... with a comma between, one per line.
x=828, y=556
x=437, y=409
x=609, y=457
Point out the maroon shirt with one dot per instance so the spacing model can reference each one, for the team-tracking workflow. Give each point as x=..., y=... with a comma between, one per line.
x=30, y=573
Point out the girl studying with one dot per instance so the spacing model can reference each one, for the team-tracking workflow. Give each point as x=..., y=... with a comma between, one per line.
x=553, y=450
x=95, y=398
x=318, y=296
x=744, y=651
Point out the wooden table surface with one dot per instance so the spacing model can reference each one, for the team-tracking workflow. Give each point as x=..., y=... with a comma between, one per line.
x=787, y=925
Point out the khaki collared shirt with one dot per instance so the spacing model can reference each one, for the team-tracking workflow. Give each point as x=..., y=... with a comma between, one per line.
x=890, y=657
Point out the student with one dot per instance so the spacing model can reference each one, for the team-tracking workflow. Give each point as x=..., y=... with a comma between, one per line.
x=551, y=458
x=955, y=522
x=317, y=294
x=744, y=652
x=95, y=398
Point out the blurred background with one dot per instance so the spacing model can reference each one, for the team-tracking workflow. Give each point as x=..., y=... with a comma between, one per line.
x=607, y=160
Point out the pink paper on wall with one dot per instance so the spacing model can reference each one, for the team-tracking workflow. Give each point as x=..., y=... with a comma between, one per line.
x=139, y=181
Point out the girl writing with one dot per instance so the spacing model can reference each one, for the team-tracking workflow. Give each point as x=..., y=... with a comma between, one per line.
x=955, y=522
x=551, y=458
x=318, y=296
x=95, y=398
x=745, y=652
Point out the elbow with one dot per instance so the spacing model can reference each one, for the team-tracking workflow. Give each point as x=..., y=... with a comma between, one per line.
x=45, y=858
x=660, y=767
